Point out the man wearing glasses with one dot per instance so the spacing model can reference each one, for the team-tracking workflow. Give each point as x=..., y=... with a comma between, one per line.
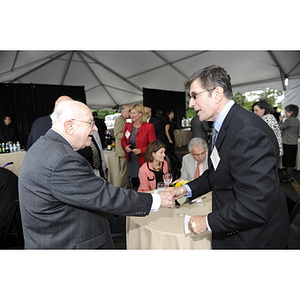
x=63, y=204
x=249, y=209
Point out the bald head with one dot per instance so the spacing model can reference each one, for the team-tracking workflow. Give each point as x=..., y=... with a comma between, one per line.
x=74, y=121
x=61, y=99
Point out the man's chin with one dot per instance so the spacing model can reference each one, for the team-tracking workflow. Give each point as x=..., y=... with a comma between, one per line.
x=89, y=141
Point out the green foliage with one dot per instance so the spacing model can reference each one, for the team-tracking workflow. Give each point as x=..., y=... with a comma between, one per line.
x=103, y=113
x=248, y=100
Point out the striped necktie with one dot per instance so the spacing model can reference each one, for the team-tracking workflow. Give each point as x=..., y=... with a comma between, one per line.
x=197, y=173
x=213, y=137
x=95, y=153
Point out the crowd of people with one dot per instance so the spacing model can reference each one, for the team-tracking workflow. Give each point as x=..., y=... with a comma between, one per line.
x=65, y=197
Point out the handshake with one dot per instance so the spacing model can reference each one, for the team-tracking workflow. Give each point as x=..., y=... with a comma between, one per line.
x=197, y=224
x=169, y=195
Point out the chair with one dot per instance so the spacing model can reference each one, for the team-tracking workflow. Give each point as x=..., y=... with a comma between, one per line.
x=11, y=235
x=293, y=208
x=134, y=183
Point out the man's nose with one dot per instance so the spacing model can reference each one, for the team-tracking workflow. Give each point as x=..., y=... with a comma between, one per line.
x=191, y=103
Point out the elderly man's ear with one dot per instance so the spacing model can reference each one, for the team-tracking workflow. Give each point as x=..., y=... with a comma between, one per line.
x=68, y=125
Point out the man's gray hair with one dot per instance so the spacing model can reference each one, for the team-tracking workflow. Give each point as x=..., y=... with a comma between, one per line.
x=197, y=142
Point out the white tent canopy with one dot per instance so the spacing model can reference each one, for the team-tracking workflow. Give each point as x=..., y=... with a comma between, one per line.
x=114, y=78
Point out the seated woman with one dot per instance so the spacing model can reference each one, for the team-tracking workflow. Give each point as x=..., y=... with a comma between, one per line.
x=155, y=166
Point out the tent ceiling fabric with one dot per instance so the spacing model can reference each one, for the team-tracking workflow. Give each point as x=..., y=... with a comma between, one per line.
x=113, y=78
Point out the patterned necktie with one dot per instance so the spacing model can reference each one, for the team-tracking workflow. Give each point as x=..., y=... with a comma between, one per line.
x=213, y=138
x=96, y=160
x=197, y=173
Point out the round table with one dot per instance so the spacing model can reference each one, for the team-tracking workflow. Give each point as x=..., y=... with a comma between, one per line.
x=182, y=137
x=112, y=163
x=164, y=230
x=15, y=157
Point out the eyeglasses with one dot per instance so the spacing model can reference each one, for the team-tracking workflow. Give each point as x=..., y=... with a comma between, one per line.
x=195, y=95
x=92, y=123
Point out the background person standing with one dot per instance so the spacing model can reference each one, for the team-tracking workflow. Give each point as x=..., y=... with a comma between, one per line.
x=290, y=135
x=120, y=153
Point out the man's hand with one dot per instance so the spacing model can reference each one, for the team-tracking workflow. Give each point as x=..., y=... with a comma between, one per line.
x=166, y=199
x=177, y=192
x=197, y=224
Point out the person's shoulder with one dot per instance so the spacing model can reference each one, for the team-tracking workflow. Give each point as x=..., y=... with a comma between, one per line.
x=143, y=167
x=42, y=120
x=294, y=119
x=187, y=156
x=147, y=125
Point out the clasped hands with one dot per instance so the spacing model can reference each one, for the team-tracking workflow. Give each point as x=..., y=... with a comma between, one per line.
x=197, y=224
x=136, y=151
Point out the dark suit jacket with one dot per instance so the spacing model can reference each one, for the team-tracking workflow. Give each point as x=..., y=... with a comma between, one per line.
x=101, y=130
x=249, y=207
x=159, y=124
x=39, y=127
x=8, y=133
x=200, y=128
x=63, y=204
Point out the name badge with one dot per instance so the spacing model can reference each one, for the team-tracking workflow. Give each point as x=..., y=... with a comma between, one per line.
x=215, y=158
x=127, y=134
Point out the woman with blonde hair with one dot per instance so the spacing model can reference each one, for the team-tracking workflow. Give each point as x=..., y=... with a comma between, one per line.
x=136, y=137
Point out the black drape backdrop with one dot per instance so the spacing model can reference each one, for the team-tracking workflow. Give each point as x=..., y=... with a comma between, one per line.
x=165, y=100
x=24, y=103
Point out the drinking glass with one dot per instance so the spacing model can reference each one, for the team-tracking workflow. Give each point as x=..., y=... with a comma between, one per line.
x=181, y=201
x=160, y=186
x=167, y=178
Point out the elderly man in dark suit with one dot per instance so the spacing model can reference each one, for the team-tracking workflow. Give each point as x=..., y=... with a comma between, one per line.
x=63, y=203
x=249, y=207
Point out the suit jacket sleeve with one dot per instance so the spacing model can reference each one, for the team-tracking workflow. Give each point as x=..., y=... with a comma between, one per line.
x=74, y=183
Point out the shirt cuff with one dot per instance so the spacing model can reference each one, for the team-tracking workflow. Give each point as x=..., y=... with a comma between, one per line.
x=188, y=195
x=156, y=203
x=189, y=191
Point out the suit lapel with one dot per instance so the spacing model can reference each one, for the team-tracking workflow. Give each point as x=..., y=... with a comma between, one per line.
x=224, y=127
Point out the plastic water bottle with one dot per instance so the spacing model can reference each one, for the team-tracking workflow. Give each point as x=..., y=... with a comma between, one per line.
x=18, y=146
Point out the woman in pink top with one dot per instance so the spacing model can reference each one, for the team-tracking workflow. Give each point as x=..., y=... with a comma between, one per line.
x=155, y=166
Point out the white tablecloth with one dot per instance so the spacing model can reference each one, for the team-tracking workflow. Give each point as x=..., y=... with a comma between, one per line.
x=182, y=137
x=164, y=230
x=112, y=163
x=15, y=157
